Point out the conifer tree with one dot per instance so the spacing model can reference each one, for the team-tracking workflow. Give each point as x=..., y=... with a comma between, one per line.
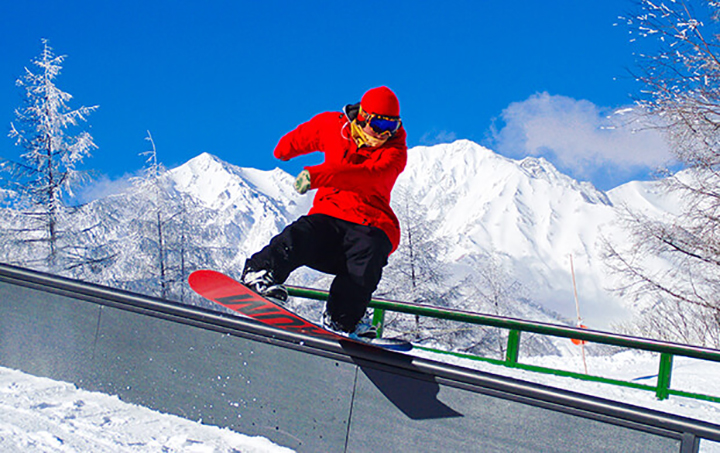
x=46, y=172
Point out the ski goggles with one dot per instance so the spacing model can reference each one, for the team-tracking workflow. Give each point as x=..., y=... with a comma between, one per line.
x=380, y=124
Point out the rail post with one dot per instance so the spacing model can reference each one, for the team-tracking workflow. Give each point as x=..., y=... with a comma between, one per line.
x=379, y=320
x=513, y=347
x=664, y=376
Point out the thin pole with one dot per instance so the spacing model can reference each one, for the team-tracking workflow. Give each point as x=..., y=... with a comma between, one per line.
x=577, y=309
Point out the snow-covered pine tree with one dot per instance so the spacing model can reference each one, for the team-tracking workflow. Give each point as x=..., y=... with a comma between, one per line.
x=46, y=171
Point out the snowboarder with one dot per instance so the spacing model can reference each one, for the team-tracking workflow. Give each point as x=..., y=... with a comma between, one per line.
x=350, y=230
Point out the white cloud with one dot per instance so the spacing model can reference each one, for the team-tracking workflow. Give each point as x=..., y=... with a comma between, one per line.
x=578, y=136
x=103, y=187
x=436, y=138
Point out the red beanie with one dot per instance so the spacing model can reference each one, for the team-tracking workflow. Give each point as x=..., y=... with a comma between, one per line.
x=381, y=101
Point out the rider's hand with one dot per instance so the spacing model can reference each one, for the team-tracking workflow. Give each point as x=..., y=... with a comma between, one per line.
x=302, y=182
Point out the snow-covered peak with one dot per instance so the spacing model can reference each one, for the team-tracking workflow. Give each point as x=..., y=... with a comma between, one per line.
x=467, y=167
x=524, y=211
x=220, y=185
x=205, y=177
x=539, y=168
x=250, y=205
x=526, y=214
x=648, y=197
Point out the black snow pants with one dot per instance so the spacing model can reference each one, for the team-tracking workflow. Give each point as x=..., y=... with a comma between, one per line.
x=354, y=253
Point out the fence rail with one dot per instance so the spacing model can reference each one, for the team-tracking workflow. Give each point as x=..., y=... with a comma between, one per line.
x=667, y=350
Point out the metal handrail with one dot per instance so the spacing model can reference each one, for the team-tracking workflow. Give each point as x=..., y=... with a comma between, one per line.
x=667, y=350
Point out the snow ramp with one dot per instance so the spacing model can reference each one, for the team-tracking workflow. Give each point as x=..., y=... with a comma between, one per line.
x=304, y=393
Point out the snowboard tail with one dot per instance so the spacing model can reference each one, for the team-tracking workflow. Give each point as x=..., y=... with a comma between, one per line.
x=235, y=296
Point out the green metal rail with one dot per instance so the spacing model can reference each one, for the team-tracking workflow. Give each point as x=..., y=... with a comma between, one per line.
x=666, y=350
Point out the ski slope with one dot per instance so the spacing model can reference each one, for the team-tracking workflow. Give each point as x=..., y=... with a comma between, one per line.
x=42, y=415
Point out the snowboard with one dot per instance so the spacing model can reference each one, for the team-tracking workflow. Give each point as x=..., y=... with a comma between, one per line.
x=232, y=294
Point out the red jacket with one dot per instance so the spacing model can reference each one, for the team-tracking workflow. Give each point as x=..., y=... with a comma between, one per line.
x=354, y=184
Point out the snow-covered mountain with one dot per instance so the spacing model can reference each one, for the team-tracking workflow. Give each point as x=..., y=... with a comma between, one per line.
x=525, y=213
x=524, y=216
x=251, y=205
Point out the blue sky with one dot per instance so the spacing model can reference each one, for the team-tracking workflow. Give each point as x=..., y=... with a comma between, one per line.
x=231, y=77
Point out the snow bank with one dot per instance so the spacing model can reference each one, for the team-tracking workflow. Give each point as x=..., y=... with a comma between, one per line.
x=42, y=415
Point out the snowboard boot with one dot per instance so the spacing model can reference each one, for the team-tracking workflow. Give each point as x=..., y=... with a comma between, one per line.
x=363, y=330
x=263, y=283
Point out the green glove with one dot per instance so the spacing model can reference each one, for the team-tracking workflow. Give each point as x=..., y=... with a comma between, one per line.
x=302, y=182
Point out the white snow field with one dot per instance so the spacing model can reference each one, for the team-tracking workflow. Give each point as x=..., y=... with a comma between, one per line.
x=42, y=415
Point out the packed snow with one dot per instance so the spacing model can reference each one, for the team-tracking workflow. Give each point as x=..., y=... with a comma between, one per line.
x=42, y=415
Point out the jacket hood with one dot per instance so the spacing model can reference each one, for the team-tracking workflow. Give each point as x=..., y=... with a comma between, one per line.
x=351, y=111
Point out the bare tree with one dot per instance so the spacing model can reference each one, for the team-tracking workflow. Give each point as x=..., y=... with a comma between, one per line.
x=415, y=267
x=488, y=288
x=680, y=75
x=416, y=272
x=157, y=209
x=166, y=234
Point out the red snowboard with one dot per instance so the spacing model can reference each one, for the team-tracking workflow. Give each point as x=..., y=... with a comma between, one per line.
x=234, y=295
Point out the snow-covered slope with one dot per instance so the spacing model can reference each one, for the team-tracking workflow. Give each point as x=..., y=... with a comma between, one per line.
x=253, y=204
x=645, y=196
x=41, y=415
x=524, y=214
x=527, y=213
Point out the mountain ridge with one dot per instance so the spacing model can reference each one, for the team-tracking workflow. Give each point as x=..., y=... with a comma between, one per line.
x=523, y=218
x=525, y=212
